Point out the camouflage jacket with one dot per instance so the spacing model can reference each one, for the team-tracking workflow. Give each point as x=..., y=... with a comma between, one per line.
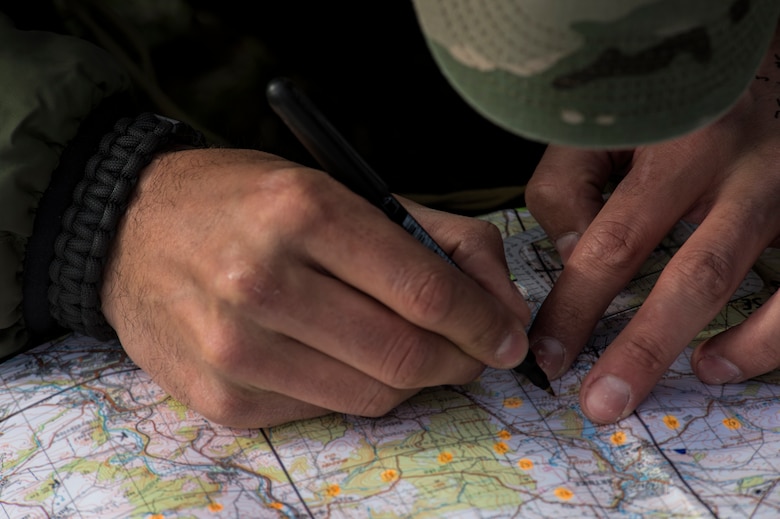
x=55, y=92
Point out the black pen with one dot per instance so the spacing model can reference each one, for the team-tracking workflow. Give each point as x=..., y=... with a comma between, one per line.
x=343, y=163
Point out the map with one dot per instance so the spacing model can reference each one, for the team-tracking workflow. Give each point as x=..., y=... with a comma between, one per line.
x=84, y=433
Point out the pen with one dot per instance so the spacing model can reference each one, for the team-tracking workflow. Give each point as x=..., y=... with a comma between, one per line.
x=343, y=163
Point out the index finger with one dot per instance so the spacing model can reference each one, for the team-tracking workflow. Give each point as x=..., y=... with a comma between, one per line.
x=691, y=290
x=641, y=210
x=382, y=260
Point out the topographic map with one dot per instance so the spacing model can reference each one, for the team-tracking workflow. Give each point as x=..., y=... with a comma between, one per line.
x=84, y=433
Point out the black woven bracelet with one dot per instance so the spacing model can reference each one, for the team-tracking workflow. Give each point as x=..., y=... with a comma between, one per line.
x=89, y=224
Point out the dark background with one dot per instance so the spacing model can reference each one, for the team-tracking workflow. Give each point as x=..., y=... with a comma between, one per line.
x=365, y=63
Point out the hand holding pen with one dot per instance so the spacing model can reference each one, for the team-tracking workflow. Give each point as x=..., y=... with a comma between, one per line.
x=339, y=159
x=258, y=291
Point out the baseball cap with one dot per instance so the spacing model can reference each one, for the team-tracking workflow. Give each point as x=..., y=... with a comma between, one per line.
x=599, y=73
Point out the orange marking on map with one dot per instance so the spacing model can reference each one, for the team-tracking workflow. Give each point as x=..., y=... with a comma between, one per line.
x=525, y=464
x=276, y=505
x=501, y=447
x=389, y=475
x=156, y=516
x=333, y=490
x=732, y=423
x=504, y=435
x=445, y=457
x=671, y=421
x=618, y=438
x=215, y=507
x=563, y=493
x=513, y=402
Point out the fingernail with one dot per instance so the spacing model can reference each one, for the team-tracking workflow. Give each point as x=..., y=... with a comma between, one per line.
x=714, y=369
x=549, y=354
x=607, y=398
x=565, y=244
x=513, y=350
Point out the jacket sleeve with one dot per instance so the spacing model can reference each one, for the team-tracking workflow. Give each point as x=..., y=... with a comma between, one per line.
x=50, y=85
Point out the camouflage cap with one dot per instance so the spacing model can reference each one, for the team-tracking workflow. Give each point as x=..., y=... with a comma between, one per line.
x=599, y=73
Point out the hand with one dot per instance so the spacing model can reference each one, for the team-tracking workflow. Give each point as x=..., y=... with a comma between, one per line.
x=724, y=177
x=258, y=291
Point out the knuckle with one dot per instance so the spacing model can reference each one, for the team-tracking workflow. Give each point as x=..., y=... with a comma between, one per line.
x=541, y=192
x=481, y=236
x=570, y=311
x=404, y=364
x=484, y=230
x=288, y=182
x=614, y=244
x=378, y=400
x=241, y=282
x=230, y=407
x=428, y=295
x=705, y=275
x=304, y=189
x=223, y=348
x=646, y=354
x=209, y=397
x=312, y=194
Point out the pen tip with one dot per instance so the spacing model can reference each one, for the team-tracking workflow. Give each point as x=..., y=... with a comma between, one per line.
x=549, y=391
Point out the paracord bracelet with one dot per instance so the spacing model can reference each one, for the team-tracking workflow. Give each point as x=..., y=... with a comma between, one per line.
x=90, y=223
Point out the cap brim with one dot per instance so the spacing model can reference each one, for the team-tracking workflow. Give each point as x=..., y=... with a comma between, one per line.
x=617, y=88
